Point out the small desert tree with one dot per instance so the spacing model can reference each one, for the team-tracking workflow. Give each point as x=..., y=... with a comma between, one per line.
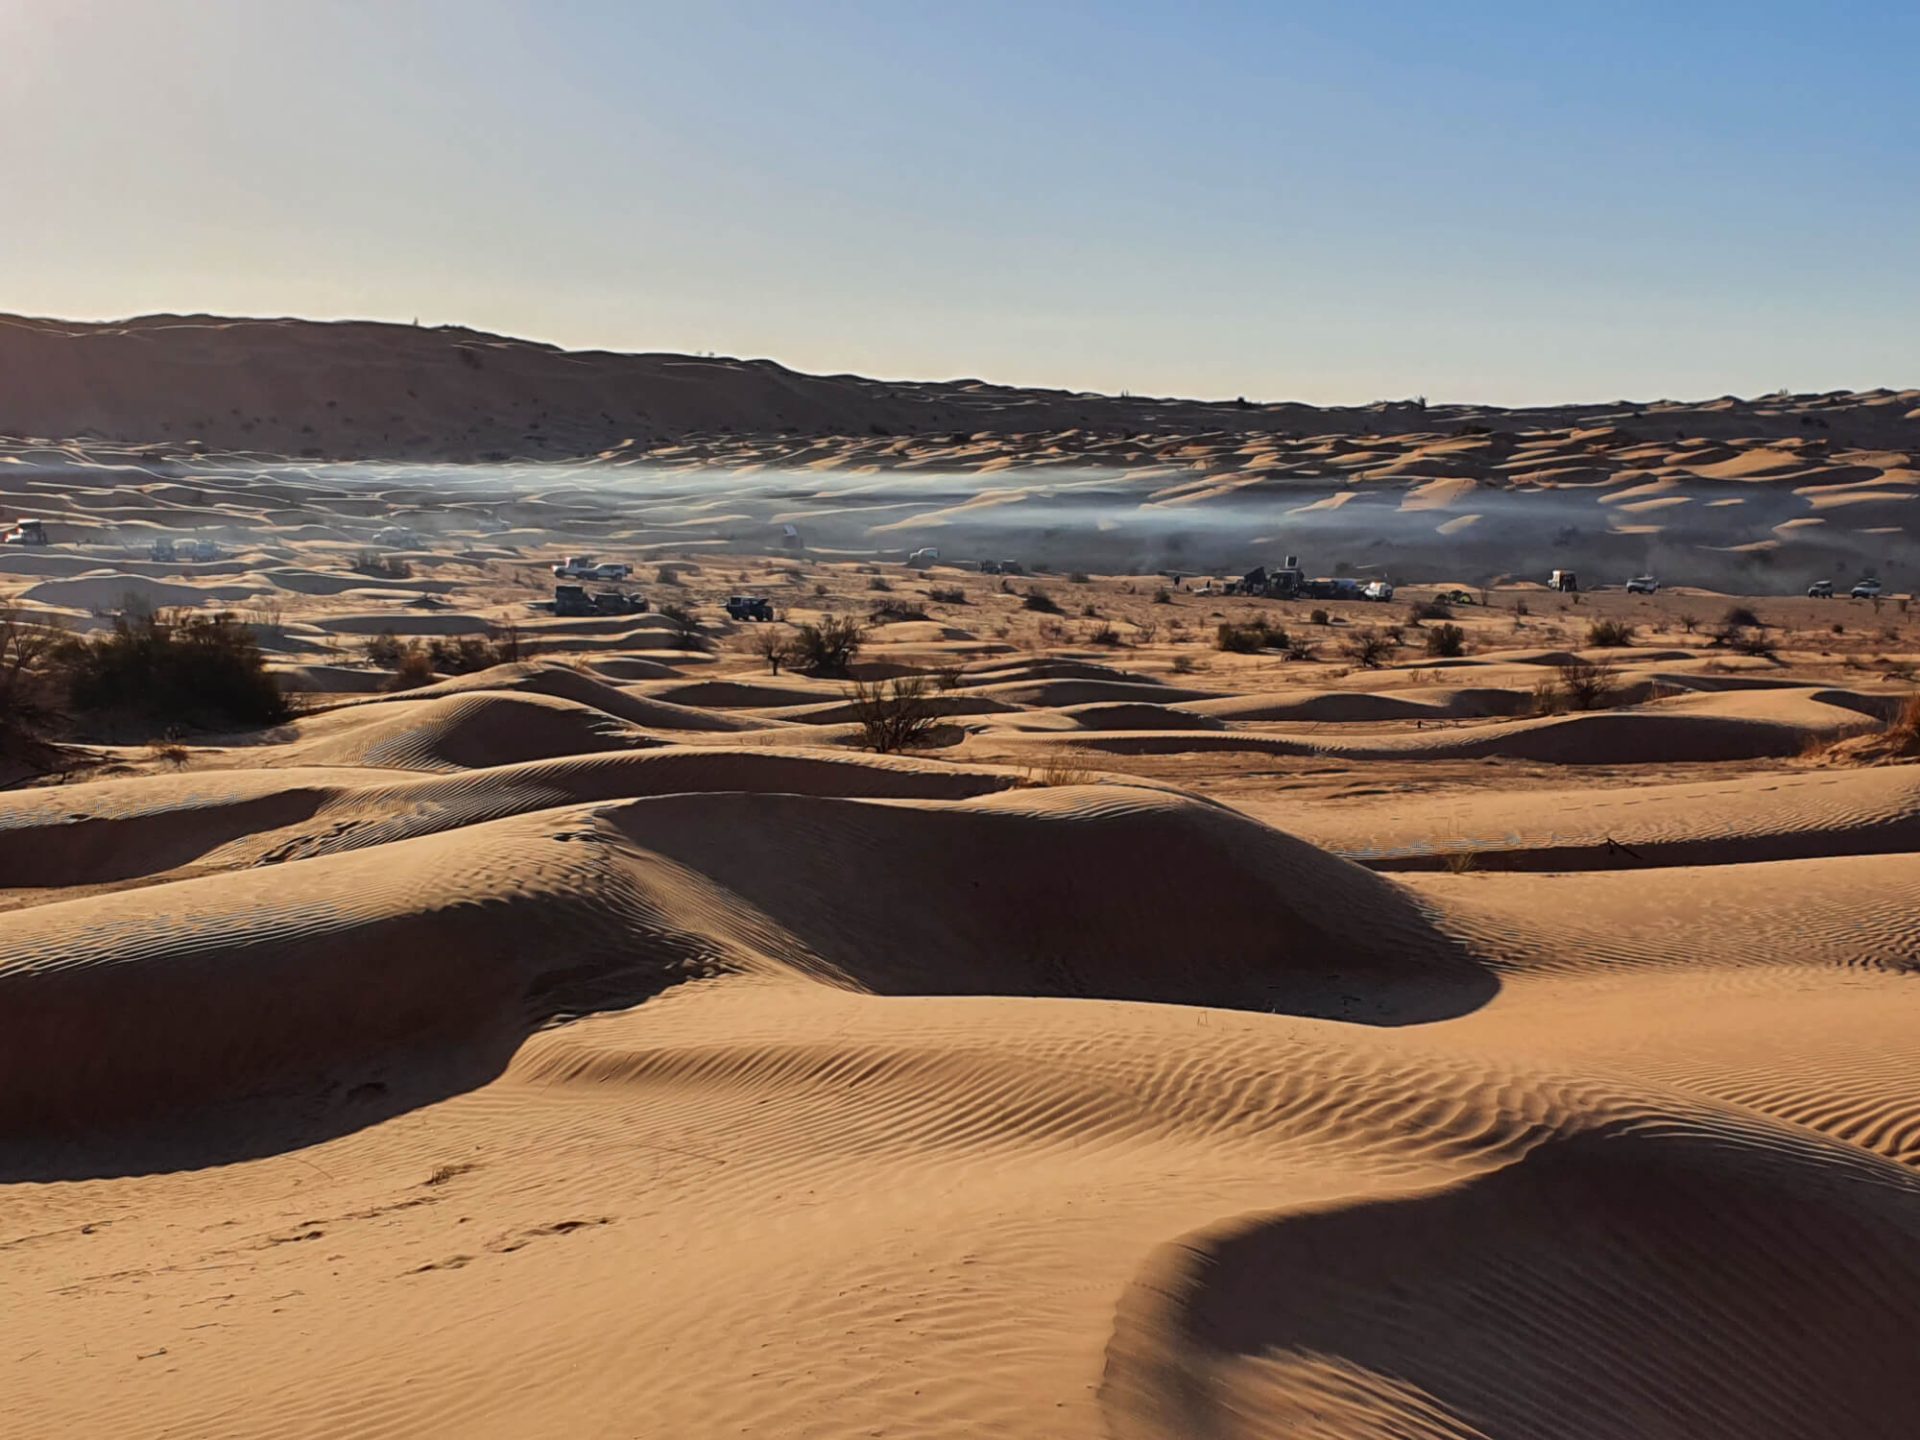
x=895, y=714
x=1369, y=648
x=773, y=646
x=27, y=646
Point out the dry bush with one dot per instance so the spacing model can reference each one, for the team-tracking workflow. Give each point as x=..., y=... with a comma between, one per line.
x=947, y=595
x=1145, y=632
x=1057, y=773
x=1249, y=637
x=1163, y=596
x=1428, y=610
x=1319, y=617
x=889, y=611
x=1104, y=634
x=412, y=668
x=1586, y=684
x=828, y=647
x=382, y=567
x=879, y=582
x=1607, y=634
x=893, y=715
x=28, y=687
x=1184, y=665
x=267, y=615
x=173, y=756
x=948, y=677
x=1038, y=599
x=1079, y=577
x=1368, y=648
x=687, y=634
x=1299, y=647
x=1446, y=641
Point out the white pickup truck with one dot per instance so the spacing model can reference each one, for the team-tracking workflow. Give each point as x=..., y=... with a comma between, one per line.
x=585, y=567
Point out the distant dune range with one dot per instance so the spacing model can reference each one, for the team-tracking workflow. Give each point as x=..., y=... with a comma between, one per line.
x=1738, y=494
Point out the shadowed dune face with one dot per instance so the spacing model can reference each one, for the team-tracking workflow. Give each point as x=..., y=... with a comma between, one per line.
x=1724, y=1282
x=454, y=945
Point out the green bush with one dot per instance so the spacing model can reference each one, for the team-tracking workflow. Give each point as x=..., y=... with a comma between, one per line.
x=177, y=668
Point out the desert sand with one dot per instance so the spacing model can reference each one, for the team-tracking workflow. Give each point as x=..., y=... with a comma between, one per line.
x=1175, y=1043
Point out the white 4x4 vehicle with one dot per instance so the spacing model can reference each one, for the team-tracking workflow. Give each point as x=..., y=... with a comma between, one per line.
x=585, y=567
x=1642, y=585
x=1378, y=590
x=1866, y=590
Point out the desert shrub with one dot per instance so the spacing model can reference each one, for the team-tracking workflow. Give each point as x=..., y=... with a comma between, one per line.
x=1586, y=684
x=28, y=688
x=1079, y=577
x=385, y=649
x=947, y=595
x=879, y=582
x=1058, y=772
x=1249, y=637
x=383, y=567
x=1090, y=611
x=1104, y=634
x=1446, y=641
x=1299, y=647
x=890, y=610
x=1038, y=599
x=1145, y=632
x=1428, y=610
x=948, y=677
x=1609, y=633
x=267, y=615
x=1368, y=647
x=464, y=654
x=686, y=633
x=1689, y=622
x=776, y=647
x=1739, y=617
x=412, y=668
x=894, y=714
x=1184, y=665
x=1163, y=596
x=828, y=648
x=1318, y=617
x=178, y=668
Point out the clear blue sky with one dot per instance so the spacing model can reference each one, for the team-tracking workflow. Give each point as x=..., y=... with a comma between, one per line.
x=1337, y=202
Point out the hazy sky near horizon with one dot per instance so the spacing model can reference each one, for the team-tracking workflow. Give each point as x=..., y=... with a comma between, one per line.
x=1509, y=202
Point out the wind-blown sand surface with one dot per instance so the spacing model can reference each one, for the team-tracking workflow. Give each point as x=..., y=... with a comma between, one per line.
x=1179, y=1044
